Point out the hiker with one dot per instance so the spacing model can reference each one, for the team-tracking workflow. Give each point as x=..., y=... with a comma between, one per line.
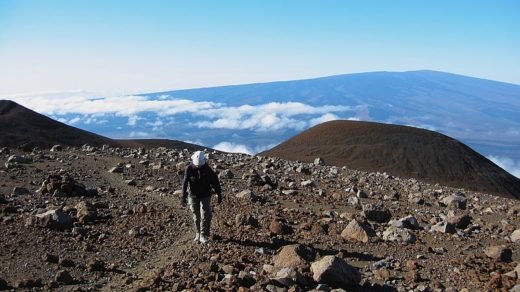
x=201, y=179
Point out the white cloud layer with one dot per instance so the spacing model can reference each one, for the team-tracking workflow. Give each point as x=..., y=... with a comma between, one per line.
x=233, y=148
x=240, y=148
x=513, y=167
x=322, y=119
x=272, y=116
x=57, y=104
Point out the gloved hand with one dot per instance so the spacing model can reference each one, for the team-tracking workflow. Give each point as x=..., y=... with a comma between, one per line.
x=184, y=200
x=219, y=198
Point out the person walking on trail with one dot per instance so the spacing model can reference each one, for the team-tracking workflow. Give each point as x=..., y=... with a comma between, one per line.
x=199, y=180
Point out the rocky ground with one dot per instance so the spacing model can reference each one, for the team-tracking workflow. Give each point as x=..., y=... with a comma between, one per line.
x=77, y=219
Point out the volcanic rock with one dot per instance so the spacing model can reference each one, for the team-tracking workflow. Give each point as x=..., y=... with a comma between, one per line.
x=293, y=256
x=357, y=232
x=457, y=201
x=288, y=277
x=393, y=233
x=20, y=191
x=376, y=213
x=116, y=169
x=96, y=265
x=54, y=219
x=247, y=195
x=499, y=253
x=63, y=276
x=444, y=227
x=335, y=272
x=408, y=222
x=86, y=212
x=460, y=221
x=56, y=148
x=515, y=236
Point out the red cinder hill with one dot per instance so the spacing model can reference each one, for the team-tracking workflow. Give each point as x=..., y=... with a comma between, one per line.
x=20, y=125
x=401, y=151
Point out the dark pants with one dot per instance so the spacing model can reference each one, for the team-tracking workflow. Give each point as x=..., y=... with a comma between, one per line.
x=201, y=209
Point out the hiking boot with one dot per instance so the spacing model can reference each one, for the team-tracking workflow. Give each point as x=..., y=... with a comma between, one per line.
x=203, y=239
x=197, y=237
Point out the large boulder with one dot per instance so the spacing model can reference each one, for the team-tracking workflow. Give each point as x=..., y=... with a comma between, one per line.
x=64, y=186
x=293, y=256
x=356, y=231
x=335, y=272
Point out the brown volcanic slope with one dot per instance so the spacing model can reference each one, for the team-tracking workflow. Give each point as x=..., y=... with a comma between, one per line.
x=401, y=151
x=20, y=125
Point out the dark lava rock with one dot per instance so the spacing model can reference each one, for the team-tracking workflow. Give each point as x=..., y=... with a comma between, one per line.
x=64, y=277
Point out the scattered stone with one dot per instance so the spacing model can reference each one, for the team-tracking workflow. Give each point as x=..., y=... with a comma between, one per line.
x=63, y=186
x=319, y=161
x=28, y=283
x=20, y=191
x=56, y=148
x=444, y=227
x=459, y=221
x=308, y=183
x=457, y=201
x=293, y=256
x=140, y=208
x=50, y=258
x=245, y=220
x=408, y=222
x=130, y=182
x=116, y=169
x=86, y=212
x=376, y=213
x=357, y=232
x=67, y=263
x=335, y=272
x=64, y=277
x=54, y=219
x=361, y=194
x=279, y=228
x=515, y=236
x=3, y=283
x=4, y=150
x=226, y=174
x=96, y=265
x=499, y=253
x=288, y=277
x=393, y=233
x=247, y=195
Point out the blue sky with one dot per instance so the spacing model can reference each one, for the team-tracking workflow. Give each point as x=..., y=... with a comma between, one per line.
x=135, y=46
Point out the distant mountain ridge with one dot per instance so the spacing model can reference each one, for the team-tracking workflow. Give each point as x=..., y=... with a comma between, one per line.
x=401, y=151
x=480, y=112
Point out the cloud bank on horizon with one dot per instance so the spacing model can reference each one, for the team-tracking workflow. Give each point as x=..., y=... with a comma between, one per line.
x=137, y=116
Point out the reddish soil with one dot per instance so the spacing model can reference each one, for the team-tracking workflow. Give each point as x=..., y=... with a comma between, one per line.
x=401, y=151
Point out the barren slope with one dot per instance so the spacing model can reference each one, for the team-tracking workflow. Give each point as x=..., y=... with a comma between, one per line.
x=20, y=125
x=401, y=151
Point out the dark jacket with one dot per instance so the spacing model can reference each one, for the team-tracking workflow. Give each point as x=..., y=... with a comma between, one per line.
x=201, y=181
